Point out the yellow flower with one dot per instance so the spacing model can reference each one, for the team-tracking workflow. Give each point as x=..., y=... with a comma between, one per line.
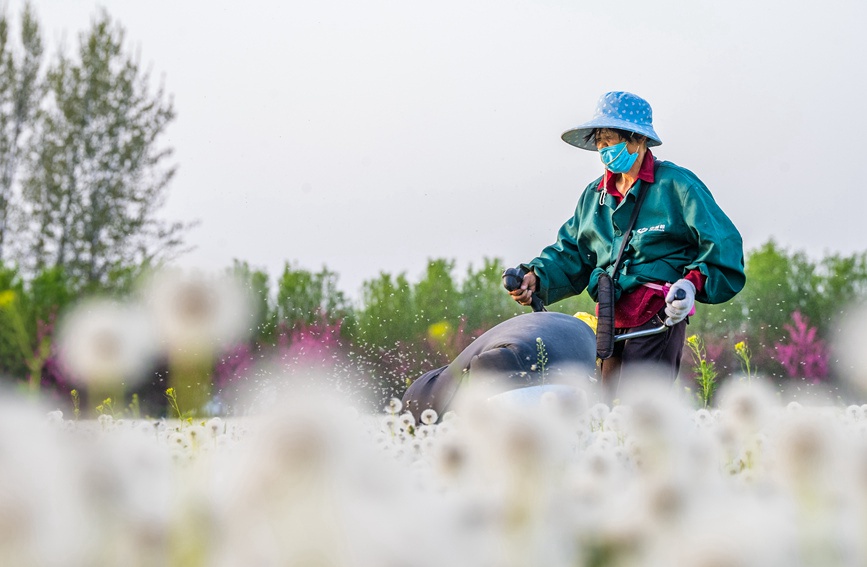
x=693, y=340
x=741, y=346
x=587, y=318
x=439, y=331
x=6, y=297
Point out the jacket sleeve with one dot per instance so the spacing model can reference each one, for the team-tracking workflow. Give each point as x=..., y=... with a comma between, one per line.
x=563, y=268
x=719, y=244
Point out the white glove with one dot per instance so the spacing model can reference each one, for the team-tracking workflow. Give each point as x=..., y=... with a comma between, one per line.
x=678, y=309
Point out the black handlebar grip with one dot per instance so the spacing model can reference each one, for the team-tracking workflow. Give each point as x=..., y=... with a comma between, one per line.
x=679, y=295
x=512, y=280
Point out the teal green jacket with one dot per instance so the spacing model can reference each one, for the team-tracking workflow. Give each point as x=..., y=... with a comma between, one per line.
x=679, y=228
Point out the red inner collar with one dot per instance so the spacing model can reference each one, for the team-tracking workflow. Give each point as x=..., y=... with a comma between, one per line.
x=609, y=180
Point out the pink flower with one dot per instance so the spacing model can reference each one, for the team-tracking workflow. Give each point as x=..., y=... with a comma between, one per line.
x=803, y=355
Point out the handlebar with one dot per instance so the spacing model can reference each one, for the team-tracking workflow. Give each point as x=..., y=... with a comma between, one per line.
x=514, y=277
x=512, y=280
x=678, y=295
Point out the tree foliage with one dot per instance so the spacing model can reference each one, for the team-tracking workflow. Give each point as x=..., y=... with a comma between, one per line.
x=401, y=328
x=20, y=93
x=97, y=173
x=28, y=311
x=307, y=297
x=484, y=302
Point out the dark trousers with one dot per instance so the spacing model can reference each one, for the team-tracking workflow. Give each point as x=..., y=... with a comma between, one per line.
x=661, y=351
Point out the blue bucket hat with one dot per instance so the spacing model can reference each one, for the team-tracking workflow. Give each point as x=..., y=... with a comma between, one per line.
x=621, y=110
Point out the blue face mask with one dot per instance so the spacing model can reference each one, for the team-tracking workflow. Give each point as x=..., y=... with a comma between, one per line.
x=617, y=158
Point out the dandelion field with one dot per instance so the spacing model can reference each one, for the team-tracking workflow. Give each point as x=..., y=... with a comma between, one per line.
x=563, y=477
x=565, y=481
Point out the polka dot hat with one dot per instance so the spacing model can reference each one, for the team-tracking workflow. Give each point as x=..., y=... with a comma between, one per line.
x=617, y=109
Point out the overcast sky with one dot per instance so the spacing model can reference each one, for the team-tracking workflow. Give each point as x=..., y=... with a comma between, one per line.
x=370, y=136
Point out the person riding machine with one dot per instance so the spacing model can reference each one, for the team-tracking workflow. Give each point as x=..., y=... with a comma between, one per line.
x=534, y=352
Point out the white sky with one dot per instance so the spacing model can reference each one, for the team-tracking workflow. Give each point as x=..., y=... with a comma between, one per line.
x=370, y=136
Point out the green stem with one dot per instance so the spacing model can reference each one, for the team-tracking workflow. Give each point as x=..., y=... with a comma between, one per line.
x=191, y=379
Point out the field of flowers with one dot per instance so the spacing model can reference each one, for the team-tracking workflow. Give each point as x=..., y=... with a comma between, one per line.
x=562, y=481
x=764, y=478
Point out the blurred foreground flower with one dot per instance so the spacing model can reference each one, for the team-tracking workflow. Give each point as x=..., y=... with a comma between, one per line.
x=105, y=345
x=850, y=347
x=196, y=315
x=648, y=482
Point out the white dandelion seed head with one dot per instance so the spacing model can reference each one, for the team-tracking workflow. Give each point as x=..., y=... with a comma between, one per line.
x=196, y=433
x=747, y=405
x=451, y=458
x=429, y=416
x=806, y=446
x=615, y=422
x=394, y=406
x=703, y=418
x=215, y=426
x=428, y=444
x=406, y=420
x=177, y=439
x=599, y=411
x=854, y=413
x=600, y=462
x=666, y=498
x=196, y=314
x=389, y=424
x=656, y=411
x=853, y=356
x=106, y=342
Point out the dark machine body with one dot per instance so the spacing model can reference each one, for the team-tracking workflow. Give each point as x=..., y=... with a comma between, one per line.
x=527, y=350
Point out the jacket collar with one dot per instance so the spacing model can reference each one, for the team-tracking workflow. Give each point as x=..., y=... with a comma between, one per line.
x=645, y=173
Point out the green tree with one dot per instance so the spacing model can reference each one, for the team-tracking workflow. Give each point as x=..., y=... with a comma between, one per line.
x=843, y=282
x=387, y=316
x=12, y=360
x=307, y=297
x=257, y=284
x=721, y=322
x=28, y=311
x=97, y=173
x=435, y=296
x=484, y=301
x=20, y=93
x=576, y=303
x=778, y=284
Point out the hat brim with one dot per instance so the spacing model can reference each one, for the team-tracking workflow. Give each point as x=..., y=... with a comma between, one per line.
x=577, y=136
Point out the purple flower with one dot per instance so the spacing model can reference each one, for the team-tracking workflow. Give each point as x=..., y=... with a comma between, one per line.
x=803, y=355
